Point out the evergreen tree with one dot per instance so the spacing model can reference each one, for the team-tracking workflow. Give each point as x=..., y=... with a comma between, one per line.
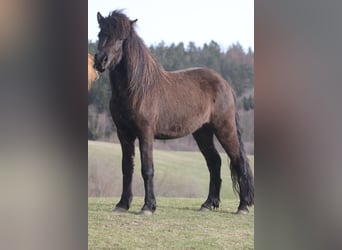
x=234, y=65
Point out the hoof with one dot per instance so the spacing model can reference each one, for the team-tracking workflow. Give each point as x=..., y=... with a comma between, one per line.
x=242, y=211
x=204, y=209
x=146, y=212
x=120, y=210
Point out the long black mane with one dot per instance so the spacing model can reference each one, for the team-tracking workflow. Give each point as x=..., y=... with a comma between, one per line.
x=143, y=70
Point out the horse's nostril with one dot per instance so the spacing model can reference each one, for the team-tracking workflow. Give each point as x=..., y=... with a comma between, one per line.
x=105, y=59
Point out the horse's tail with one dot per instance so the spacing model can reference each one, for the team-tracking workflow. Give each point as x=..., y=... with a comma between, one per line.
x=243, y=170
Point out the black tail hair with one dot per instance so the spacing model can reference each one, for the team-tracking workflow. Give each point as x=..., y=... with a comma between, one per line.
x=246, y=169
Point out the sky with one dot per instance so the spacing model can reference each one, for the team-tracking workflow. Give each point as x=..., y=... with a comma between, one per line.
x=173, y=21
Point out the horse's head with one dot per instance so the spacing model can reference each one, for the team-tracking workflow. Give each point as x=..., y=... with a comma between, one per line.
x=114, y=30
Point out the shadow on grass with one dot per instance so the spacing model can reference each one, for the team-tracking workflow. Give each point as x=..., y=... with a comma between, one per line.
x=195, y=209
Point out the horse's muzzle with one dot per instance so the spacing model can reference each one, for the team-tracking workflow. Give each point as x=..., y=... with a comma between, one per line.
x=101, y=61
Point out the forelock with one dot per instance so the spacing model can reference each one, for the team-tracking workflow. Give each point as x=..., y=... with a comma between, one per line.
x=116, y=24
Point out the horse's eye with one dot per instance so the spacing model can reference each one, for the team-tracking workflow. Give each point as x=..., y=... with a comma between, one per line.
x=102, y=35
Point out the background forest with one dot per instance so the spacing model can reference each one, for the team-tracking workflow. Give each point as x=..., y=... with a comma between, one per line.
x=235, y=64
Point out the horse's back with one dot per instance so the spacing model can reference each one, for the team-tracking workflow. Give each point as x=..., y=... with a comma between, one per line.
x=214, y=90
x=204, y=77
x=204, y=82
x=190, y=99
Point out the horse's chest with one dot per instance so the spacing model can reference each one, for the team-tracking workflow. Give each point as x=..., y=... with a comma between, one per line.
x=121, y=112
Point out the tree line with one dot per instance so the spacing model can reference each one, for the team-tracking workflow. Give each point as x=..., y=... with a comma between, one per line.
x=235, y=65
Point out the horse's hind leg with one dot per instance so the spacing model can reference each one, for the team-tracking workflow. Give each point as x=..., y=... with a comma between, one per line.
x=229, y=135
x=204, y=138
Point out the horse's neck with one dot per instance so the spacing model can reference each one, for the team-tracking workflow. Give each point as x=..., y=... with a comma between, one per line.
x=119, y=77
x=137, y=72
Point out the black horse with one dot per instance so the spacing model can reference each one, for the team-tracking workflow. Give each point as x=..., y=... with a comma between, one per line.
x=150, y=103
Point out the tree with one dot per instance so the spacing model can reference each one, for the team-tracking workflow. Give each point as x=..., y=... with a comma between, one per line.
x=234, y=65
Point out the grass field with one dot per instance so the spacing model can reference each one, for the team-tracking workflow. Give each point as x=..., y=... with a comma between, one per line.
x=176, y=224
x=177, y=174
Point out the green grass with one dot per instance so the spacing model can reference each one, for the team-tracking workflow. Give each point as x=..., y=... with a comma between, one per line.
x=177, y=174
x=176, y=224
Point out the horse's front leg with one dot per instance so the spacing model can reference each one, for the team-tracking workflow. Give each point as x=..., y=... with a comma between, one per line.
x=147, y=171
x=127, y=146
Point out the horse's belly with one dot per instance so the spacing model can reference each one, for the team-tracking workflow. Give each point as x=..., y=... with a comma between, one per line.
x=172, y=133
x=165, y=137
x=177, y=128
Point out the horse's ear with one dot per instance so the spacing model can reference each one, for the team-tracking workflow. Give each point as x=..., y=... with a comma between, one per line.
x=99, y=17
x=133, y=22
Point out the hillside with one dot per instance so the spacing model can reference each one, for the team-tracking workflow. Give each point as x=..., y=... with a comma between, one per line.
x=177, y=173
